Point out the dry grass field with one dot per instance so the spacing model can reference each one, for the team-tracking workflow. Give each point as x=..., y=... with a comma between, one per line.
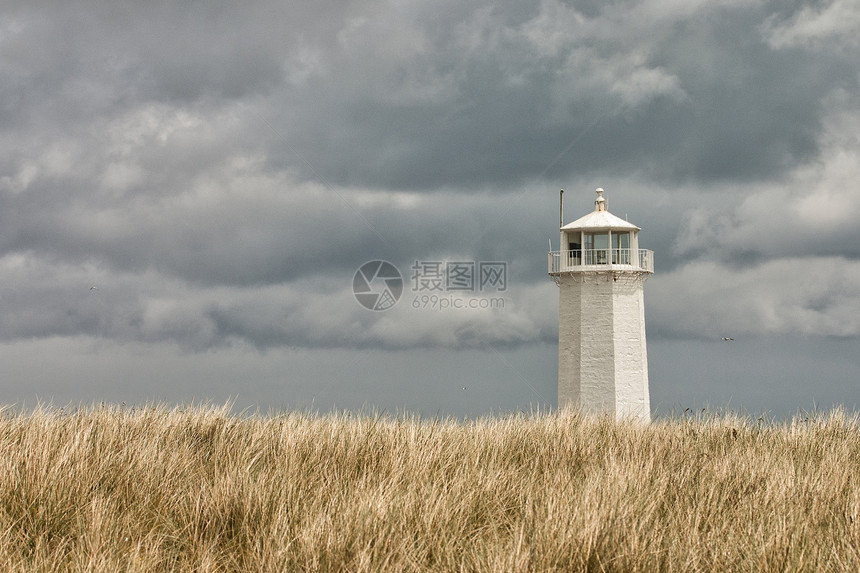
x=199, y=489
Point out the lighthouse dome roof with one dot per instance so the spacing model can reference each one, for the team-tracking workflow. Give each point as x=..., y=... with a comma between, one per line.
x=600, y=220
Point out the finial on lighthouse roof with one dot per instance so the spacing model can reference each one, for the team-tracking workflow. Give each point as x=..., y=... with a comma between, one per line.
x=600, y=202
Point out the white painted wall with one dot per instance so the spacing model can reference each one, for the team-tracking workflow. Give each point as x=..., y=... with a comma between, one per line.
x=631, y=356
x=602, y=356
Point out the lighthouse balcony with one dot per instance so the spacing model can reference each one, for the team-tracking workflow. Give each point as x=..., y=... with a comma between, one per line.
x=599, y=260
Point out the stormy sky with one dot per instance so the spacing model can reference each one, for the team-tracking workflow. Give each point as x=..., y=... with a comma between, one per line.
x=219, y=173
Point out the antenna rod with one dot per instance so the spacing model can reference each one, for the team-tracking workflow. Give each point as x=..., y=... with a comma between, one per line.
x=561, y=209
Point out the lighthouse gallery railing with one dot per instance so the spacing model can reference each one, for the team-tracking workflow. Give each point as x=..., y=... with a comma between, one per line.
x=601, y=260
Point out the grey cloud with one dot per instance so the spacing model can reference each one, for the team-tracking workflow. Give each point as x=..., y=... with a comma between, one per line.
x=334, y=319
x=773, y=258
x=167, y=189
x=43, y=299
x=510, y=99
x=811, y=296
x=824, y=26
x=810, y=211
x=418, y=97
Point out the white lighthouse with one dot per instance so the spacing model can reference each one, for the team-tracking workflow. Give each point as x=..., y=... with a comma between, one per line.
x=600, y=271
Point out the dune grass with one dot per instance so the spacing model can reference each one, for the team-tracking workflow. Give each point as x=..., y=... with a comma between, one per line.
x=199, y=489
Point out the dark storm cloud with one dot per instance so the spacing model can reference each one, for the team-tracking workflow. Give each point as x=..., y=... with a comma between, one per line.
x=416, y=96
x=224, y=170
x=483, y=97
x=419, y=96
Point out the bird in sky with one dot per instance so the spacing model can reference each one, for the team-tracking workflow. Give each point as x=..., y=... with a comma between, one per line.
x=94, y=287
x=728, y=339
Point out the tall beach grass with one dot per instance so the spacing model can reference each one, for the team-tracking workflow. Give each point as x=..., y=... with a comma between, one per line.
x=199, y=489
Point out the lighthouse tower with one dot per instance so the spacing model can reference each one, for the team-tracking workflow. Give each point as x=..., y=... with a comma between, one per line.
x=600, y=271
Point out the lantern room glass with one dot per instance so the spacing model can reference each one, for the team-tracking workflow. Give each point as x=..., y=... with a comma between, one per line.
x=596, y=247
x=621, y=248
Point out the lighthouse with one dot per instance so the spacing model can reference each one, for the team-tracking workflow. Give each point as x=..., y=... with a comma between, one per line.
x=600, y=272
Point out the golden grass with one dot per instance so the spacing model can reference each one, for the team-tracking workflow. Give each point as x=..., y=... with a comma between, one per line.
x=199, y=489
